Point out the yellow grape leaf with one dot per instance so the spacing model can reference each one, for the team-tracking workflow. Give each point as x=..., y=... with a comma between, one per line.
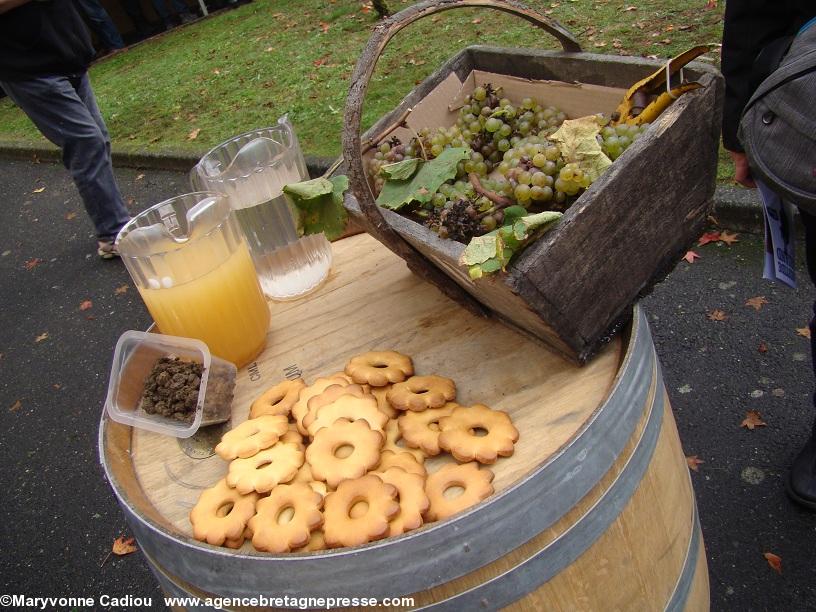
x=577, y=141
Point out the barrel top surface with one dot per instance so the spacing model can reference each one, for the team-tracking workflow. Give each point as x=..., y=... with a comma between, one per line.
x=371, y=301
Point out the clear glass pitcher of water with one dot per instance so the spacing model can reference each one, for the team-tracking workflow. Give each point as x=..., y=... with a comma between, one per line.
x=251, y=170
x=192, y=267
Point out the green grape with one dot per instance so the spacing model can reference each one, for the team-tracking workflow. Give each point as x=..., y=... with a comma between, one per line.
x=539, y=179
x=493, y=124
x=480, y=93
x=522, y=193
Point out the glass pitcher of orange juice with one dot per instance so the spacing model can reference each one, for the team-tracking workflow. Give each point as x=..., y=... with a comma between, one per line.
x=192, y=267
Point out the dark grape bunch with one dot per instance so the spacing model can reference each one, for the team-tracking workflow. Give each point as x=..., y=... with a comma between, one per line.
x=457, y=219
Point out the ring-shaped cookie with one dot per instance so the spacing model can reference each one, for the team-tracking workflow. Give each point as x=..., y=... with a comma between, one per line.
x=379, y=498
x=475, y=483
x=286, y=518
x=301, y=407
x=351, y=408
x=421, y=429
x=458, y=434
x=329, y=395
x=413, y=500
x=326, y=453
x=266, y=469
x=381, y=393
x=403, y=460
x=278, y=399
x=393, y=437
x=379, y=368
x=221, y=514
x=316, y=542
x=422, y=392
x=252, y=436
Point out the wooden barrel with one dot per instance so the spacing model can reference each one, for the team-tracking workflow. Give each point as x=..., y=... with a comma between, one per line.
x=594, y=511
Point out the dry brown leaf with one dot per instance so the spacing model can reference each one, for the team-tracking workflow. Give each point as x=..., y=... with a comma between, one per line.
x=803, y=331
x=122, y=546
x=216, y=71
x=762, y=348
x=86, y=304
x=708, y=237
x=33, y=263
x=775, y=561
x=194, y=134
x=477, y=21
x=39, y=190
x=690, y=256
x=753, y=420
x=711, y=4
x=121, y=290
x=41, y=337
x=727, y=238
x=16, y=406
x=139, y=177
x=756, y=302
x=324, y=26
x=694, y=462
x=630, y=8
x=717, y=315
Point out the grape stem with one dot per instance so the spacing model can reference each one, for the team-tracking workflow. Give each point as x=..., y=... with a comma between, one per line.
x=500, y=201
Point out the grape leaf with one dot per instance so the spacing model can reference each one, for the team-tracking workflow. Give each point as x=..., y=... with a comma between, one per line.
x=431, y=174
x=511, y=213
x=319, y=205
x=401, y=170
x=528, y=223
x=577, y=141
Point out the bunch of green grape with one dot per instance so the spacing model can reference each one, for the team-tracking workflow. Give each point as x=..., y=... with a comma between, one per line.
x=616, y=139
x=531, y=169
x=389, y=152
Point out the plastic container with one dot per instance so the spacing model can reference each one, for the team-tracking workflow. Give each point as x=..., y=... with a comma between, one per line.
x=191, y=265
x=134, y=357
x=251, y=170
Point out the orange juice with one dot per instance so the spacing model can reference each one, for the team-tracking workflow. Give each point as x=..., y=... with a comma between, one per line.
x=223, y=307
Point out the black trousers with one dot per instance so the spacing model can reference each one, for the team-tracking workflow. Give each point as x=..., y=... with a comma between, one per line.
x=809, y=222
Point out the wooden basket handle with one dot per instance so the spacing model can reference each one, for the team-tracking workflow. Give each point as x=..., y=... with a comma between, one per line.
x=352, y=146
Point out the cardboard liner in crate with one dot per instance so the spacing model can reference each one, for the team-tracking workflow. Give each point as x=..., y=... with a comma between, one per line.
x=574, y=286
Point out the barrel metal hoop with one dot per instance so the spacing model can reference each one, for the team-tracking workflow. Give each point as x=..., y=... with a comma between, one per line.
x=548, y=562
x=678, y=600
x=438, y=553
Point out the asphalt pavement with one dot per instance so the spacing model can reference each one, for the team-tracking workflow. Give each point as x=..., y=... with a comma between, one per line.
x=63, y=310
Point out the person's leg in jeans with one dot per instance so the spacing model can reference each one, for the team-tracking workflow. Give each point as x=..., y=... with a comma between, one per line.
x=102, y=24
x=802, y=476
x=64, y=110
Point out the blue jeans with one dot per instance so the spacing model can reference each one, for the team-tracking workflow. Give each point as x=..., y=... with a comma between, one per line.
x=64, y=109
x=101, y=23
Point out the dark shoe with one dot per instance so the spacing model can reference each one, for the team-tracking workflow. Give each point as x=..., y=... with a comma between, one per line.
x=801, y=485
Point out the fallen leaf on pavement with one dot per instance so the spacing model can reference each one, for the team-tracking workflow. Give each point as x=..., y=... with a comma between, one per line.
x=690, y=256
x=803, y=331
x=85, y=305
x=762, y=348
x=139, y=177
x=194, y=134
x=121, y=290
x=41, y=337
x=694, y=462
x=753, y=420
x=756, y=302
x=775, y=561
x=727, y=238
x=16, y=406
x=122, y=546
x=717, y=315
x=33, y=263
x=708, y=237
x=70, y=215
x=39, y=190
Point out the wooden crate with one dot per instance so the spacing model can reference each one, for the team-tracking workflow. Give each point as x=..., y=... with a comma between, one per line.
x=573, y=287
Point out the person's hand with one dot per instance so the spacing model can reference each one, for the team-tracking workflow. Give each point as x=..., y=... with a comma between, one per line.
x=742, y=173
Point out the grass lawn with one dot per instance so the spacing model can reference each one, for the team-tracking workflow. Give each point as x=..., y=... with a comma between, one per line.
x=241, y=69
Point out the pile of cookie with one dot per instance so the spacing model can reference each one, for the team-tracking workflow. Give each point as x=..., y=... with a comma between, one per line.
x=321, y=466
